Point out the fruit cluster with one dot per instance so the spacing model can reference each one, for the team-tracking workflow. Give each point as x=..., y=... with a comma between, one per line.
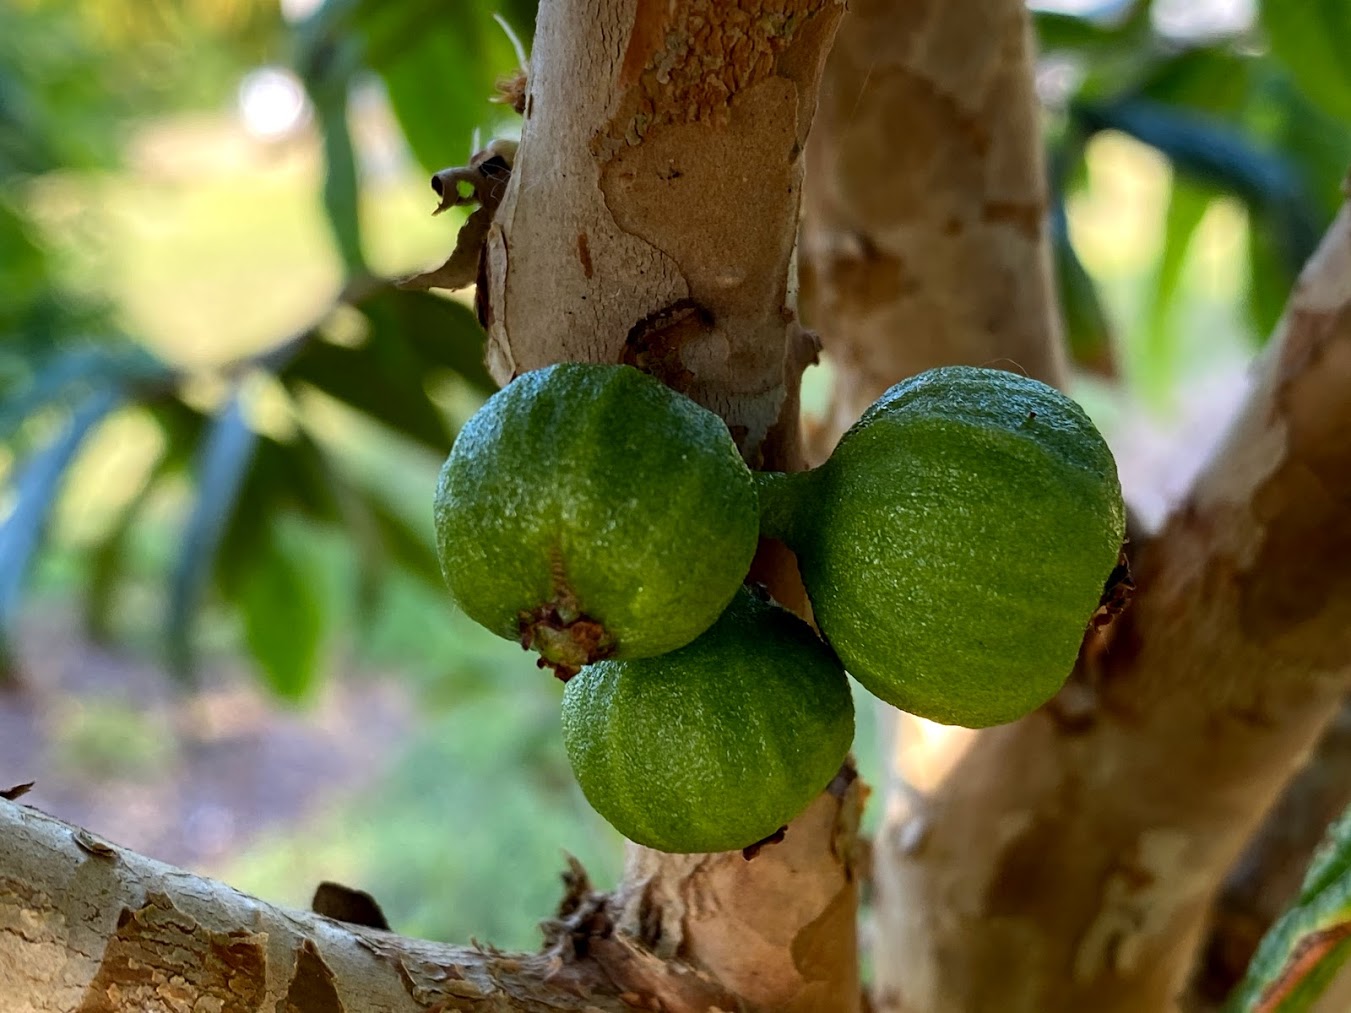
x=953, y=547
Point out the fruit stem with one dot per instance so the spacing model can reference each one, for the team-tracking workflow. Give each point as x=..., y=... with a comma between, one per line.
x=779, y=493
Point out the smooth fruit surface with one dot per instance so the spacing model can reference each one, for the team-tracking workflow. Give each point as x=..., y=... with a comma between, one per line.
x=715, y=746
x=589, y=511
x=956, y=543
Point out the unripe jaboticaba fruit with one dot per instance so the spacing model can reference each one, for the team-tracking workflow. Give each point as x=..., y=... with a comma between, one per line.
x=956, y=543
x=588, y=511
x=715, y=746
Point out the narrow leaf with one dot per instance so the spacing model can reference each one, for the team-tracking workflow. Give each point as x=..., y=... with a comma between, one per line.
x=1271, y=275
x=35, y=494
x=1302, y=952
x=1187, y=206
x=1087, y=329
x=283, y=620
x=224, y=459
x=341, y=193
x=382, y=379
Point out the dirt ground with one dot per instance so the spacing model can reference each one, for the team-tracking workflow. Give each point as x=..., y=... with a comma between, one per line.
x=188, y=778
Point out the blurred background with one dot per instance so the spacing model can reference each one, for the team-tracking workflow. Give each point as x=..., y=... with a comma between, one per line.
x=223, y=637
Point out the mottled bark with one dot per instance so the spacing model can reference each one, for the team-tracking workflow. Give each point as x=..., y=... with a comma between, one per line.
x=924, y=241
x=651, y=219
x=653, y=206
x=1068, y=860
x=87, y=927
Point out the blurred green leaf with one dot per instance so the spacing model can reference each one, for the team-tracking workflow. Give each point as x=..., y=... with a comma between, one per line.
x=1087, y=329
x=77, y=370
x=1319, y=144
x=1187, y=206
x=1271, y=275
x=1312, y=39
x=1302, y=952
x=340, y=181
x=35, y=494
x=441, y=332
x=283, y=619
x=439, y=66
x=411, y=547
x=107, y=559
x=1286, y=217
x=282, y=478
x=327, y=64
x=224, y=459
x=1208, y=150
x=380, y=378
x=1214, y=80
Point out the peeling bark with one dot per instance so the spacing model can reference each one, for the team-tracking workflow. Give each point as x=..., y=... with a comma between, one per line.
x=1069, y=864
x=659, y=168
x=650, y=219
x=108, y=931
x=743, y=920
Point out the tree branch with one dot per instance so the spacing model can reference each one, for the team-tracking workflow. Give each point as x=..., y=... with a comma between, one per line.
x=653, y=204
x=650, y=219
x=925, y=243
x=88, y=927
x=1069, y=860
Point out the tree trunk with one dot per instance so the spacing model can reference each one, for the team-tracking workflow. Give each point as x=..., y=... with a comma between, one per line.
x=651, y=219
x=1267, y=877
x=1066, y=862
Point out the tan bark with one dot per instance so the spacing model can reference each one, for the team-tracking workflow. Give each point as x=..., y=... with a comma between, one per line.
x=87, y=927
x=1068, y=861
x=653, y=206
x=650, y=219
x=924, y=241
x=925, y=244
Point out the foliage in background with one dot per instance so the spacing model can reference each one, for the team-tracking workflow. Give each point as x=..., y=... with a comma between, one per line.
x=392, y=351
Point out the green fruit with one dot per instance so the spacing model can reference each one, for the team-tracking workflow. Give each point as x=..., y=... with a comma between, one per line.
x=956, y=543
x=588, y=511
x=717, y=745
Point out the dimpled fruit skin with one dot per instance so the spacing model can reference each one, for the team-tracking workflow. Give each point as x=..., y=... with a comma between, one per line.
x=958, y=541
x=717, y=745
x=598, y=486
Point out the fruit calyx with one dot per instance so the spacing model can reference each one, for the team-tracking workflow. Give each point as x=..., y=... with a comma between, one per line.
x=564, y=638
